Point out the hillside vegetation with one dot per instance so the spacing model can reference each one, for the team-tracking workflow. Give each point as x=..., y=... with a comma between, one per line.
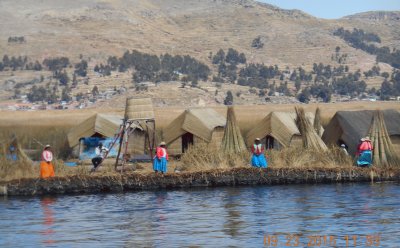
x=64, y=50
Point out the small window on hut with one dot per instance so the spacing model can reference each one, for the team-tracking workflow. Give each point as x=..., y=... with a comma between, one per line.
x=187, y=140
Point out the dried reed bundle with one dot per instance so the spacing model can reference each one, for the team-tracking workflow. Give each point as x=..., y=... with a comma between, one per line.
x=311, y=140
x=384, y=153
x=317, y=122
x=233, y=141
x=21, y=155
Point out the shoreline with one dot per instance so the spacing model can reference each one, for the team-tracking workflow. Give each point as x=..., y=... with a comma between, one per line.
x=214, y=178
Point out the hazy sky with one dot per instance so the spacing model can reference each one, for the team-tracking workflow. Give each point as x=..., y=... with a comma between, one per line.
x=330, y=9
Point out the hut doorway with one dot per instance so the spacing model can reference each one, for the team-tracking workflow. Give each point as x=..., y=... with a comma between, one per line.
x=269, y=142
x=340, y=142
x=187, y=140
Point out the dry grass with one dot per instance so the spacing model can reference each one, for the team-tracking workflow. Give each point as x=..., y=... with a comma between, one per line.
x=17, y=170
x=34, y=138
x=203, y=157
x=206, y=157
x=306, y=159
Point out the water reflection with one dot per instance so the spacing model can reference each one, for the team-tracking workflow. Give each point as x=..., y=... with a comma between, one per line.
x=48, y=219
x=233, y=223
x=214, y=217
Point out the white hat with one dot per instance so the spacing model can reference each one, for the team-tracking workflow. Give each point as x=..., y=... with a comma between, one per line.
x=258, y=139
x=162, y=143
x=343, y=145
x=47, y=146
x=367, y=138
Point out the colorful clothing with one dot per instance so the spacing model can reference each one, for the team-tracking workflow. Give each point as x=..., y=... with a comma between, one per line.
x=47, y=156
x=101, y=153
x=46, y=167
x=364, y=153
x=258, y=159
x=364, y=159
x=12, y=156
x=160, y=161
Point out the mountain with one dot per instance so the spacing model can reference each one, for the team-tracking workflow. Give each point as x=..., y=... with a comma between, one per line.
x=98, y=29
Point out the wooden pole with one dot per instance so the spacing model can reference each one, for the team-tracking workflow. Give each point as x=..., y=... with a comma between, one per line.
x=121, y=139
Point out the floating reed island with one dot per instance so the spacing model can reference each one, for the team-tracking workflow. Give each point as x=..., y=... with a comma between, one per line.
x=296, y=154
x=213, y=178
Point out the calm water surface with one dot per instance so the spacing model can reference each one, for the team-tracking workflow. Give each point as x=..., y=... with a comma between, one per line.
x=265, y=216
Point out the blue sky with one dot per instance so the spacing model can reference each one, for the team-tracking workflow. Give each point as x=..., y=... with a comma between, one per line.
x=335, y=8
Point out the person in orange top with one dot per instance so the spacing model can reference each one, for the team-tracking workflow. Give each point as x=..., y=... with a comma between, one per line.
x=160, y=161
x=46, y=166
x=364, y=152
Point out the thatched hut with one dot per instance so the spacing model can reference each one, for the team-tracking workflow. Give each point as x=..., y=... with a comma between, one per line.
x=84, y=137
x=194, y=126
x=278, y=130
x=348, y=127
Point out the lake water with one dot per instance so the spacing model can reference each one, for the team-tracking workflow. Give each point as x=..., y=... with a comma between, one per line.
x=336, y=215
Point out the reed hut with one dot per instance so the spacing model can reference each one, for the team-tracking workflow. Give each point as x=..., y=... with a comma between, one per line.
x=84, y=137
x=194, y=126
x=278, y=130
x=348, y=127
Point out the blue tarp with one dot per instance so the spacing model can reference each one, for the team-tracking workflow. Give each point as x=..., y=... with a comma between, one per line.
x=90, y=144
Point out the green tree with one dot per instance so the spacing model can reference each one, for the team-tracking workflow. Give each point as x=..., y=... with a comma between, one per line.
x=63, y=78
x=81, y=68
x=219, y=57
x=194, y=83
x=257, y=43
x=304, y=96
x=74, y=80
x=297, y=84
x=229, y=98
x=95, y=91
x=65, y=95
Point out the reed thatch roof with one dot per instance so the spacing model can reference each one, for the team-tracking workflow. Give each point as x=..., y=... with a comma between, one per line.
x=280, y=125
x=351, y=126
x=200, y=122
x=106, y=125
x=139, y=108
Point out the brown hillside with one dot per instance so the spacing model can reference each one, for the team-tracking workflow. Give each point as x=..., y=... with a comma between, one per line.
x=100, y=28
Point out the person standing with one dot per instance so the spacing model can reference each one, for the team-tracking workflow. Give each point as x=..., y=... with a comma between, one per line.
x=258, y=159
x=46, y=165
x=344, y=150
x=160, y=161
x=364, y=152
x=100, y=152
